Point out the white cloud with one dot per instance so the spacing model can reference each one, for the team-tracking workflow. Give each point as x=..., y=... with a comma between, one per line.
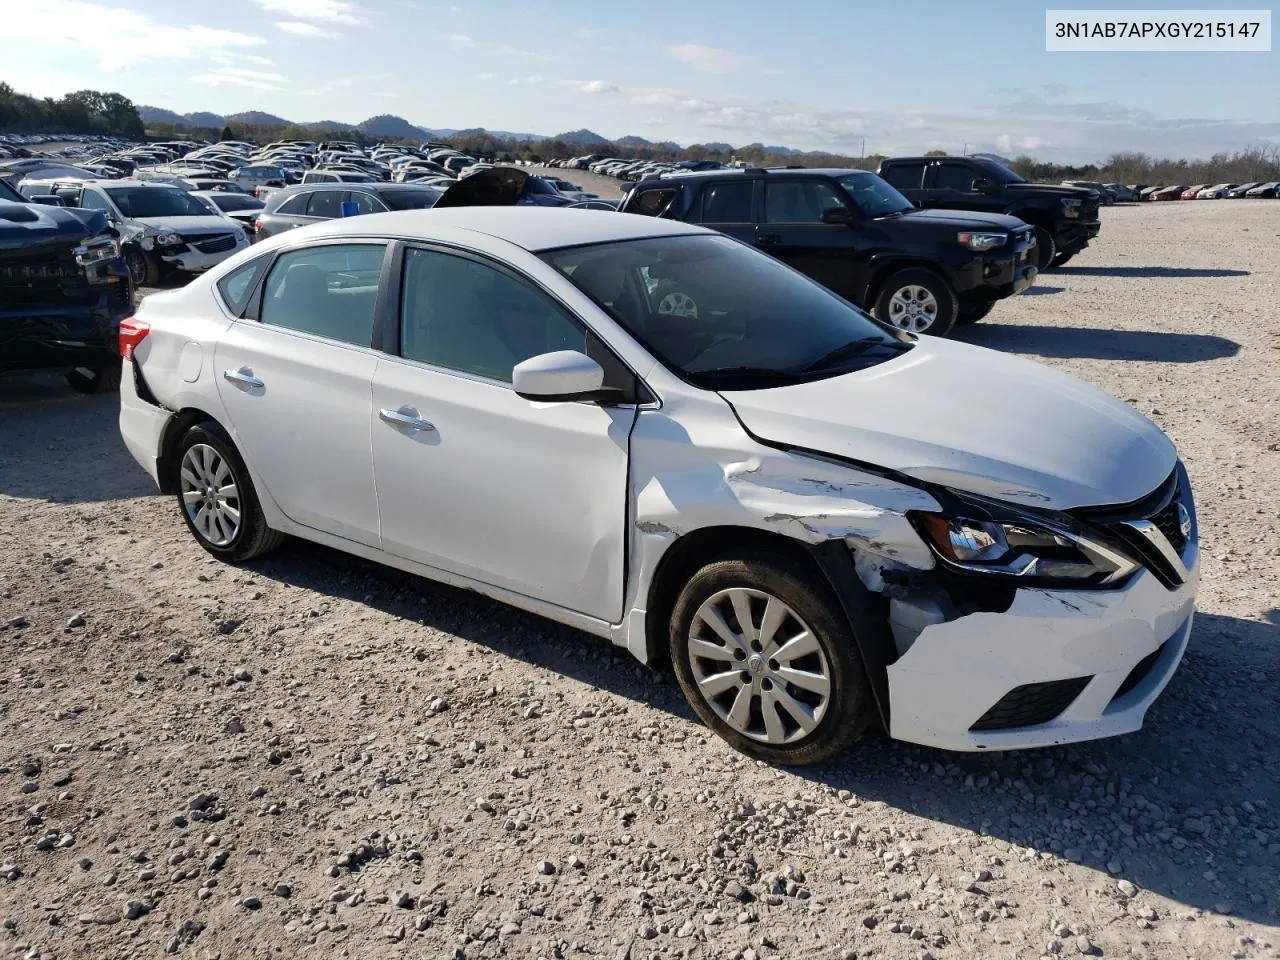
x=534, y=78
x=326, y=11
x=301, y=28
x=232, y=76
x=582, y=33
x=592, y=86
x=461, y=41
x=708, y=59
x=771, y=71
x=486, y=76
x=118, y=37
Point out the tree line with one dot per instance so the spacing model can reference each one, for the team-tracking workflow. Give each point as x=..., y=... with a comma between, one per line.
x=85, y=111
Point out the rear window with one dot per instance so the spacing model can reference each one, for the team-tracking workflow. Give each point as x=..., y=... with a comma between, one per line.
x=412, y=199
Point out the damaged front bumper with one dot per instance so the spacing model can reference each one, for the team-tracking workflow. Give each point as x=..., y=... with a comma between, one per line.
x=1057, y=666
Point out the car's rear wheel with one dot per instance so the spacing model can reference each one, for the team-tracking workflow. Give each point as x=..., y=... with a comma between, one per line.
x=143, y=269
x=766, y=658
x=972, y=313
x=918, y=301
x=217, y=498
x=1046, y=249
x=101, y=378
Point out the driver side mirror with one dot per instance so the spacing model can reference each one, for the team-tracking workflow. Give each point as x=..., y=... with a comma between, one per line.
x=837, y=215
x=562, y=376
x=980, y=185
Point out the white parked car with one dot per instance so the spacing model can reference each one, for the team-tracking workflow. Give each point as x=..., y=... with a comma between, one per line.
x=819, y=520
x=1215, y=192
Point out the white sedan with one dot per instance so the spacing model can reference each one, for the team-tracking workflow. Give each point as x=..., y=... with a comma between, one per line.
x=820, y=522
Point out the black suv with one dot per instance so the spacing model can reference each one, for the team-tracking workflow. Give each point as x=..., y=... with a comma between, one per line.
x=63, y=291
x=1065, y=218
x=852, y=232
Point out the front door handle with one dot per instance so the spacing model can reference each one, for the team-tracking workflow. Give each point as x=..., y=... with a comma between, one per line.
x=405, y=417
x=244, y=376
x=770, y=238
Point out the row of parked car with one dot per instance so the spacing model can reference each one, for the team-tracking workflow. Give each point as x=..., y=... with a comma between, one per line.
x=632, y=170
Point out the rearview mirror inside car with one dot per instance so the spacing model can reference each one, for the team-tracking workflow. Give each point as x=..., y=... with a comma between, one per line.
x=560, y=376
x=836, y=215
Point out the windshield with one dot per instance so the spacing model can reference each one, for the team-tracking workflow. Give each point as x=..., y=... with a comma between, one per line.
x=411, y=199
x=233, y=201
x=155, y=202
x=873, y=196
x=999, y=172
x=723, y=316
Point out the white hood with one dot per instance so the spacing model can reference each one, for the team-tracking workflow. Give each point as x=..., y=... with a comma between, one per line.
x=972, y=419
x=209, y=224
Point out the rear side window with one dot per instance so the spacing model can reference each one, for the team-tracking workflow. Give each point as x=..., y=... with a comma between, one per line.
x=329, y=291
x=727, y=203
x=954, y=176
x=237, y=286
x=326, y=203
x=295, y=205
x=904, y=176
x=652, y=203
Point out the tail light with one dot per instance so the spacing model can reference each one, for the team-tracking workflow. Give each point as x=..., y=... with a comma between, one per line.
x=132, y=332
x=257, y=225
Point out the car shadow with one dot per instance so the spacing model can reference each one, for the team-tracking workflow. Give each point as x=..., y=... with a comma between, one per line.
x=1187, y=272
x=1035, y=291
x=1099, y=343
x=1203, y=753
x=61, y=446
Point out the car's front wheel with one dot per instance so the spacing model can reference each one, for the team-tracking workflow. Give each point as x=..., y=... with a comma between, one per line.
x=143, y=269
x=217, y=498
x=1046, y=249
x=766, y=658
x=918, y=301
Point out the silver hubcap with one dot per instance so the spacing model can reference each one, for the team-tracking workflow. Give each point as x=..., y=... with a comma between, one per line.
x=758, y=666
x=913, y=308
x=678, y=304
x=210, y=495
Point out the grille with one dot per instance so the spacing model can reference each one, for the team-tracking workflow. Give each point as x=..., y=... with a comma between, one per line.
x=1167, y=521
x=215, y=244
x=41, y=278
x=1031, y=704
x=1139, y=673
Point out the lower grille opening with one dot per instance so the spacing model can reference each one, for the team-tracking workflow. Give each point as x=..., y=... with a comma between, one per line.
x=1139, y=673
x=1031, y=704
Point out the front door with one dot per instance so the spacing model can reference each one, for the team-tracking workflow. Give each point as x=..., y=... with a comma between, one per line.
x=475, y=480
x=296, y=386
x=792, y=230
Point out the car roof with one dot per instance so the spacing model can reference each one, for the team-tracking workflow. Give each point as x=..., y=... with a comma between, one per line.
x=757, y=171
x=531, y=228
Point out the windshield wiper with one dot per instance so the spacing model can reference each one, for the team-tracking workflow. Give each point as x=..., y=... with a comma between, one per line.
x=767, y=374
x=847, y=351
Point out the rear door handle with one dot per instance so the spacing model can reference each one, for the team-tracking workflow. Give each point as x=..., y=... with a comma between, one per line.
x=405, y=417
x=770, y=238
x=244, y=376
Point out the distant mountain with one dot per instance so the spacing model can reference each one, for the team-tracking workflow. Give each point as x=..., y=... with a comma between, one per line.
x=718, y=147
x=785, y=151
x=443, y=132
x=257, y=118
x=204, y=119
x=581, y=138
x=389, y=125
x=333, y=126
x=160, y=115
x=633, y=142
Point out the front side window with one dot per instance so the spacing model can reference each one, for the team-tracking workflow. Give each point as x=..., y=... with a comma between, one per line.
x=873, y=196
x=92, y=200
x=954, y=176
x=652, y=203
x=724, y=316
x=799, y=201
x=464, y=315
x=329, y=291
x=326, y=203
x=727, y=202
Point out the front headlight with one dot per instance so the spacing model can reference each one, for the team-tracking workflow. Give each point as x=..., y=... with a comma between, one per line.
x=981, y=241
x=1071, y=207
x=96, y=250
x=168, y=239
x=991, y=539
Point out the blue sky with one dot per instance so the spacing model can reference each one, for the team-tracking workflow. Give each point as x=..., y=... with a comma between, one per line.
x=906, y=76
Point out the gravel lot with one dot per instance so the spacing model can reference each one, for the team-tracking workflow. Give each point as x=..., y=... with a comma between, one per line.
x=316, y=756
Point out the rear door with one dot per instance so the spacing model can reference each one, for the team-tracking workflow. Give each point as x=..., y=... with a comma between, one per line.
x=728, y=206
x=791, y=229
x=294, y=375
x=290, y=214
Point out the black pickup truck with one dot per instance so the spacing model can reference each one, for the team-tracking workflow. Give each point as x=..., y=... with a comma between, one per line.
x=1065, y=218
x=63, y=291
x=919, y=271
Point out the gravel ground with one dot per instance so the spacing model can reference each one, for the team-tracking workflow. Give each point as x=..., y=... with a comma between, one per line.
x=316, y=756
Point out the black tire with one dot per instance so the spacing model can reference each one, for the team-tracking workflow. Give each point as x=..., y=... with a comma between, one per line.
x=972, y=313
x=941, y=291
x=143, y=269
x=849, y=708
x=97, y=379
x=1046, y=249
x=1061, y=258
x=252, y=536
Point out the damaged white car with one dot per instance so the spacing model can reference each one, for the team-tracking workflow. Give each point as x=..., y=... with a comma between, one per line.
x=821, y=522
